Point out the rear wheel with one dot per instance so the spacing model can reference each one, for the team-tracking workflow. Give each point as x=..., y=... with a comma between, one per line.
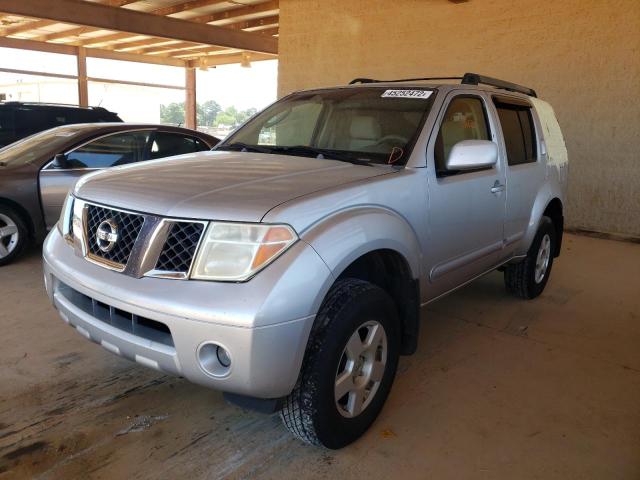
x=13, y=235
x=528, y=278
x=349, y=366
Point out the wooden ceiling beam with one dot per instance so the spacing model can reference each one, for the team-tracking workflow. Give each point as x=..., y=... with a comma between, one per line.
x=115, y=37
x=37, y=24
x=126, y=20
x=254, y=25
x=74, y=32
x=90, y=52
x=176, y=46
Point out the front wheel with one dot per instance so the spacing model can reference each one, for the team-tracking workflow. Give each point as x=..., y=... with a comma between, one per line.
x=13, y=235
x=349, y=366
x=528, y=278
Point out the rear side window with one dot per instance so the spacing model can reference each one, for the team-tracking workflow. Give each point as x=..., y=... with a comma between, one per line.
x=169, y=144
x=519, y=133
x=465, y=119
x=7, y=133
x=110, y=151
x=31, y=120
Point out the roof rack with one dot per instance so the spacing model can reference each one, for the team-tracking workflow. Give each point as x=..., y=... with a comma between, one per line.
x=467, y=79
x=50, y=104
x=372, y=80
x=476, y=79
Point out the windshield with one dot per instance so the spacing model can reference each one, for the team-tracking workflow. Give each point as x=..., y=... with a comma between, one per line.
x=372, y=124
x=31, y=148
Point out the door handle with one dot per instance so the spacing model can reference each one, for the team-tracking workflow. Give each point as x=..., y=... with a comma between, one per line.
x=497, y=187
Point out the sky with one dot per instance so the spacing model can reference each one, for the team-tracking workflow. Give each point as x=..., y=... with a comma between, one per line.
x=229, y=85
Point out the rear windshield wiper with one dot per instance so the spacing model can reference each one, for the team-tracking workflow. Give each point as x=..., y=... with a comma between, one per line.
x=245, y=147
x=320, y=153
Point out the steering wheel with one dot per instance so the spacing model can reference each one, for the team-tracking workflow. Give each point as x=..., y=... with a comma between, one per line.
x=392, y=138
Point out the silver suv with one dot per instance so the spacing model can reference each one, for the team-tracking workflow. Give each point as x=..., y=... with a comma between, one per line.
x=288, y=267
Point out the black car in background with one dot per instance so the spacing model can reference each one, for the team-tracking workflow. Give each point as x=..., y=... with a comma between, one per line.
x=21, y=119
x=37, y=172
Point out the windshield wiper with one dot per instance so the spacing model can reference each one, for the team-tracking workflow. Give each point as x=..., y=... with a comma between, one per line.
x=320, y=153
x=245, y=147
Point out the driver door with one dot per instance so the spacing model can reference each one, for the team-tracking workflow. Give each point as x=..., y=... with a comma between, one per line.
x=107, y=151
x=466, y=208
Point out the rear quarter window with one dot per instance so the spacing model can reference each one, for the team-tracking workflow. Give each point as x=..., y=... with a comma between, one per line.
x=518, y=131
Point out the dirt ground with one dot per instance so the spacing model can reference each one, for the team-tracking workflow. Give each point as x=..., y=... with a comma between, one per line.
x=499, y=388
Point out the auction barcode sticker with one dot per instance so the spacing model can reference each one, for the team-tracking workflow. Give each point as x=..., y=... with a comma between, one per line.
x=423, y=94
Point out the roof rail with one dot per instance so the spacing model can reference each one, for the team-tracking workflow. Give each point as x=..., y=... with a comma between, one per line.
x=372, y=80
x=476, y=79
x=467, y=79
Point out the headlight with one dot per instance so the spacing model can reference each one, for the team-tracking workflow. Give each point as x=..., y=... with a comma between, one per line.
x=237, y=251
x=64, y=225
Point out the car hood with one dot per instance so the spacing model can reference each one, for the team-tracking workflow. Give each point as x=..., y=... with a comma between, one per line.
x=237, y=186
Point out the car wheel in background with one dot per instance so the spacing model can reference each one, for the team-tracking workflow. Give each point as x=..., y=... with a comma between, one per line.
x=13, y=235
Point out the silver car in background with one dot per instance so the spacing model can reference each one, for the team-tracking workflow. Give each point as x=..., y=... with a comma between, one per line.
x=288, y=267
x=37, y=172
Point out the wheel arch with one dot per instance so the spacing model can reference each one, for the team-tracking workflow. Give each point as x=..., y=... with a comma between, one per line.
x=554, y=210
x=379, y=246
x=547, y=203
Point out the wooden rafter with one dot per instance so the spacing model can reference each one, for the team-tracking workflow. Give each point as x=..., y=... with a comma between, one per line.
x=229, y=59
x=32, y=24
x=230, y=16
x=126, y=20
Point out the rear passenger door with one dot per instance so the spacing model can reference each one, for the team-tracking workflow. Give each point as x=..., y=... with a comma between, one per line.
x=521, y=152
x=466, y=208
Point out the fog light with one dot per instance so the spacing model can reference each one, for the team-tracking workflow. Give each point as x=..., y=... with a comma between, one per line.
x=214, y=359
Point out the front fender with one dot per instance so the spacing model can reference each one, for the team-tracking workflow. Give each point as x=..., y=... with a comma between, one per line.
x=346, y=235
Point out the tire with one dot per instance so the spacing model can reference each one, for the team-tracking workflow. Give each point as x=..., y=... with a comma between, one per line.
x=311, y=412
x=527, y=279
x=14, y=235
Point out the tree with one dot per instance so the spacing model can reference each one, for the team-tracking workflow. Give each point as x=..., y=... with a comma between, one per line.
x=208, y=113
x=172, y=113
x=232, y=117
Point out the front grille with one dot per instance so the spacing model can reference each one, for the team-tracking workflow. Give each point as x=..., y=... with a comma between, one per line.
x=180, y=247
x=129, y=226
x=128, y=322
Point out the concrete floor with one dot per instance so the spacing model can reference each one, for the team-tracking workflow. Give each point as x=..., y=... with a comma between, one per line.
x=499, y=388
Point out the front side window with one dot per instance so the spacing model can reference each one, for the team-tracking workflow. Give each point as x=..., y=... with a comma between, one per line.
x=370, y=124
x=465, y=119
x=519, y=133
x=110, y=151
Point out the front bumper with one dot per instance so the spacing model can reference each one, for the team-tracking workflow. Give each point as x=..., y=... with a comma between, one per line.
x=264, y=324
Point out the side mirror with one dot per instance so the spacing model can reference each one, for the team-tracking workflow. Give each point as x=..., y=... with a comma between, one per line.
x=60, y=161
x=472, y=154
